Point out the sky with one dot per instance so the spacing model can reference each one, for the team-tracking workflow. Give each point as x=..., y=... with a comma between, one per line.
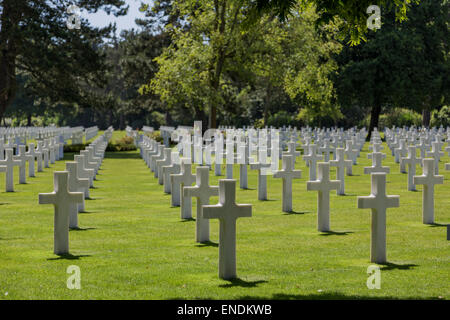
x=101, y=19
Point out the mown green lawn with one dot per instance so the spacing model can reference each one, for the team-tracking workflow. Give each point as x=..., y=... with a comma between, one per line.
x=133, y=245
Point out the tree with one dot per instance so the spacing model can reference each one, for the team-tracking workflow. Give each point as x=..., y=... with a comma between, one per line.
x=353, y=12
x=401, y=65
x=61, y=62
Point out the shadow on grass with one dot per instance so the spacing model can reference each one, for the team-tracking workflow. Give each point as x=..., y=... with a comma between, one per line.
x=241, y=283
x=82, y=229
x=335, y=233
x=207, y=244
x=295, y=212
x=247, y=189
x=68, y=256
x=123, y=155
x=438, y=225
x=187, y=220
x=87, y=212
x=332, y=295
x=348, y=195
x=394, y=266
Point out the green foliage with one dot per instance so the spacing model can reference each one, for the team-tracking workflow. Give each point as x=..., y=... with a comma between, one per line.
x=353, y=12
x=76, y=148
x=156, y=135
x=125, y=143
x=398, y=117
x=441, y=117
x=282, y=118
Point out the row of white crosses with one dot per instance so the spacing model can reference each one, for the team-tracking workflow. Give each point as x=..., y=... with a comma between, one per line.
x=47, y=152
x=424, y=140
x=71, y=188
x=323, y=184
x=177, y=175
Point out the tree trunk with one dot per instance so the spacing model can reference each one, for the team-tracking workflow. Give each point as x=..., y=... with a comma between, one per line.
x=426, y=117
x=267, y=103
x=10, y=19
x=374, y=116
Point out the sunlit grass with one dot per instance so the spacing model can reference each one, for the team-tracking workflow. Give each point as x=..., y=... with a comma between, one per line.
x=133, y=244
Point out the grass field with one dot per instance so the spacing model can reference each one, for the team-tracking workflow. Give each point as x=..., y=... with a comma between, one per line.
x=133, y=245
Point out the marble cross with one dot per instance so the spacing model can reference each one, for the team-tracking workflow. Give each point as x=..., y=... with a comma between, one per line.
x=8, y=165
x=227, y=211
x=75, y=184
x=323, y=185
x=62, y=199
x=23, y=158
x=428, y=179
x=351, y=153
x=312, y=159
x=32, y=152
x=287, y=174
x=202, y=191
x=179, y=181
x=39, y=156
x=166, y=161
x=84, y=172
x=262, y=165
x=411, y=162
x=377, y=165
x=378, y=201
x=87, y=163
x=292, y=151
x=436, y=153
x=341, y=164
x=174, y=168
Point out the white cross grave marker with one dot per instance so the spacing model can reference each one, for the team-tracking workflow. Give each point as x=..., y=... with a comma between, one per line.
x=411, y=162
x=62, y=199
x=227, y=211
x=202, y=191
x=287, y=174
x=341, y=164
x=378, y=201
x=323, y=185
x=76, y=185
x=8, y=165
x=428, y=179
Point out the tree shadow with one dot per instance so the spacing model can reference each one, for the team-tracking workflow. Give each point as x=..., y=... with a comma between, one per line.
x=82, y=229
x=207, y=244
x=394, y=266
x=295, y=212
x=335, y=233
x=237, y=282
x=69, y=256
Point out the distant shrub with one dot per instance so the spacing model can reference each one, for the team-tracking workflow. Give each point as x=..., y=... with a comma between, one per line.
x=123, y=144
x=74, y=147
x=441, y=117
x=398, y=117
x=156, y=135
